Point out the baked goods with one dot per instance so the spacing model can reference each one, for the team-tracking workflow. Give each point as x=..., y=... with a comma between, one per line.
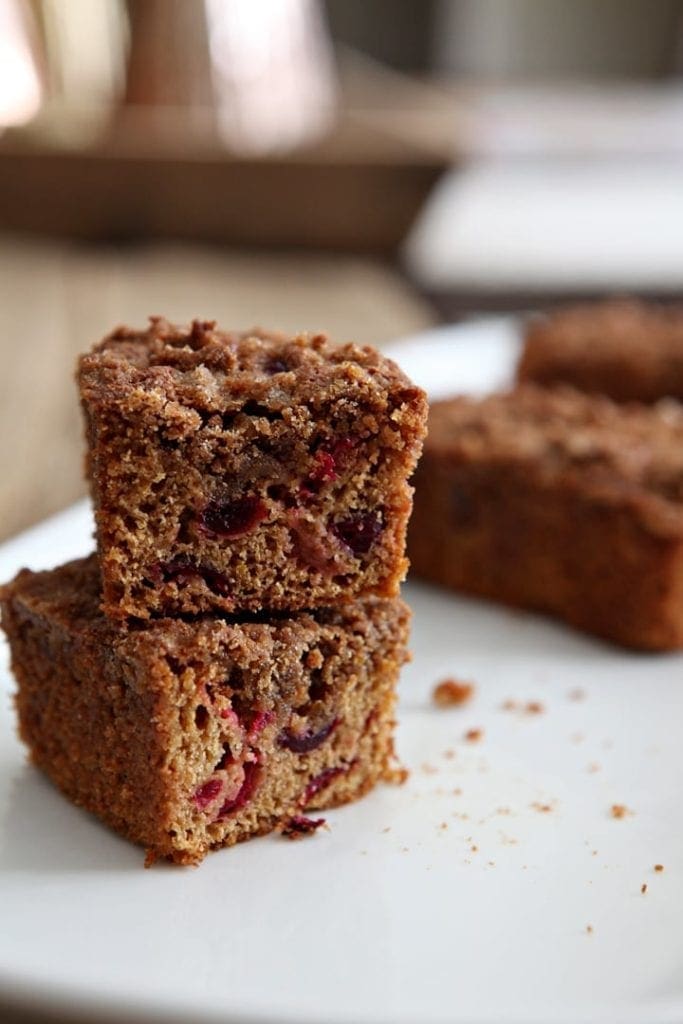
x=553, y=500
x=623, y=348
x=240, y=472
x=185, y=736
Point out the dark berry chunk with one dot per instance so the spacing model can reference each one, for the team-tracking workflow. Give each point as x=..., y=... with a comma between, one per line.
x=304, y=742
x=275, y=365
x=259, y=723
x=216, y=581
x=321, y=781
x=226, y=758
x=232, y=519
x=341, y=448
x=299, y=826
x=182, y=572
x=328, y=461
x=358, y=531
x=207, y=793
x=246, y=791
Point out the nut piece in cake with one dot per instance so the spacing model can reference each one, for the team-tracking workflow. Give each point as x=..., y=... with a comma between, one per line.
x=185, y=736
x=236, y=472
x=560, y=502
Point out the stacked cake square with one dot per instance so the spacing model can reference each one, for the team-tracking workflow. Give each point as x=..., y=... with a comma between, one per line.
x=227, y=660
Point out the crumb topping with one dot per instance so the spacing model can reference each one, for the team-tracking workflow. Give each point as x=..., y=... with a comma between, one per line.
x=619, y=453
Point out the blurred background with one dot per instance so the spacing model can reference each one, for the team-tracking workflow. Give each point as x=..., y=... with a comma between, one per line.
x=366, y=168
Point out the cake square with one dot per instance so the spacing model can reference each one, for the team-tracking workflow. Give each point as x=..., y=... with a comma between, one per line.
x=240, y=472
x=560, y=502
x=625, y=348
x=185, y=736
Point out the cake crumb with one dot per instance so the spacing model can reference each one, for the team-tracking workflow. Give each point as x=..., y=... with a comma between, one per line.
x=542, y=808
x=449, y=754
x=619, y=811
x=457, y=791
x=659, y=867
x=577, y=694
x=387, y=829
x=397, y=775
x=474, y=735
x=452, y=693
x=428, y=768
x=589, y=929
x=509, y=705
x=593, y=767
x=474, y=848
x=299, y=826
x=444, y=825
x=534, y=707
x=643, y=888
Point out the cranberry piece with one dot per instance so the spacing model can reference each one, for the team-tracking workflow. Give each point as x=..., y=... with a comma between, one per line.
x=299, y=826
x=233, y=518
x=207, y=793
x=312, y=550
x=341, y=448
x=325, y=467
x=328, y=460
x=358, y=531
x=276, y=366
x=216, y=581
x=181, y=571
x=226, y=758
x=304, y=742
x=321, y=781
x=246, y=791
x=261, y=720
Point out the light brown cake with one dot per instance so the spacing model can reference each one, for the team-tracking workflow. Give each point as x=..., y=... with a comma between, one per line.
x=239, y=472
x=557, y=501
x=189, y=735
x=629, y=350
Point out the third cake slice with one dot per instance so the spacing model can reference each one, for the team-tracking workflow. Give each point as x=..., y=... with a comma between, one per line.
x=561, y=502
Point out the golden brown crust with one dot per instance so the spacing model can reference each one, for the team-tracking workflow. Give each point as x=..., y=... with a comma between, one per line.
x=186, y=736
x=556, y=501
x=629, y=350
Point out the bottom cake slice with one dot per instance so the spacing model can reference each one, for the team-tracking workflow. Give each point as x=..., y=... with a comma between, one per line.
x=185, y=736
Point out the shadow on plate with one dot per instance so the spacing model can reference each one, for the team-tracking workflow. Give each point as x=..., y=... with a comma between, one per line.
x=475, y=626
x=40, y=831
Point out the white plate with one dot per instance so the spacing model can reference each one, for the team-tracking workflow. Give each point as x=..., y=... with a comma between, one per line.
x=454, y=898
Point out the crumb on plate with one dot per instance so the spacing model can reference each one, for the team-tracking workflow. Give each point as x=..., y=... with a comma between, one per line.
x=451, y=693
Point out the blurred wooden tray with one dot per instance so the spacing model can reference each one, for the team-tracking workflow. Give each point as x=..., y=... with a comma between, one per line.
x=358, y=189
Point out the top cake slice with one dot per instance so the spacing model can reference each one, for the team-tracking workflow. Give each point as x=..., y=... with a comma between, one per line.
x=624, y=348
x=246, y=471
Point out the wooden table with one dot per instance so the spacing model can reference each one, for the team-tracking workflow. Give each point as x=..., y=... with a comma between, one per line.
x=56, y=300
